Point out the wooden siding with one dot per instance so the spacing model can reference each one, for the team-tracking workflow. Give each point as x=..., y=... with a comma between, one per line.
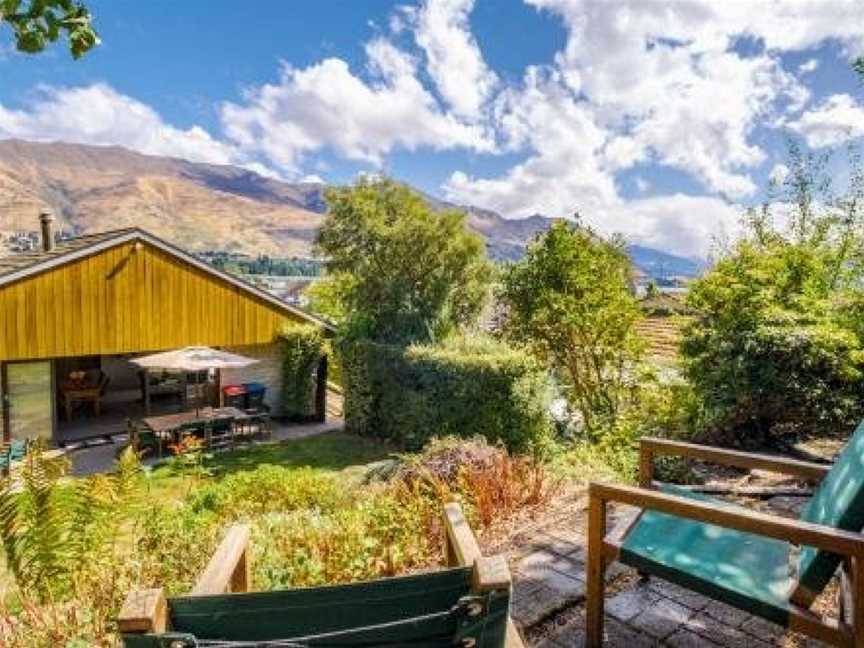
x=125, y=300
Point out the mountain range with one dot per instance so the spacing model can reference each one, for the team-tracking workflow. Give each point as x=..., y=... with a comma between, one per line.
x=210, y=207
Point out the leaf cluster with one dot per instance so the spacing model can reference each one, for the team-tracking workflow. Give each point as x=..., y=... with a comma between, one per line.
x=37, y=23
x=52, y=529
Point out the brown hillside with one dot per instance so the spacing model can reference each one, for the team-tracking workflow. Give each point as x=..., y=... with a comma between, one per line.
x=93, y=189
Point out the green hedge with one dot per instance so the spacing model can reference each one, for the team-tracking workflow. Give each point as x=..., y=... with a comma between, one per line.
x=302, y=347
x=464, y=388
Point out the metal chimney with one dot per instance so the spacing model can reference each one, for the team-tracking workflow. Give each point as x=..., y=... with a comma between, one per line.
x=46, y=220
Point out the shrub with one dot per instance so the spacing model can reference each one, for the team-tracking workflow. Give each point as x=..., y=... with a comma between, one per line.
x=463, y=388
x=302, y=348
x=657, y=410
x=267, y=489
x=491, y=483
x=776, y=341
x=382, y=534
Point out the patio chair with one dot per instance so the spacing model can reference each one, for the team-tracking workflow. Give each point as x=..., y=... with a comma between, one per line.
x=770, y=566
x=257, y=425
x=466, y=604
x=144, y=441
x=219, y=434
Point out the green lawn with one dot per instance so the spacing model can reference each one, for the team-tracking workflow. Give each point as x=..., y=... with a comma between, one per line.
x=334, y=451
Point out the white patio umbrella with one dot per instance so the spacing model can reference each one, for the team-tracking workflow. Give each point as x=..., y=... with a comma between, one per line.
x=198, y=358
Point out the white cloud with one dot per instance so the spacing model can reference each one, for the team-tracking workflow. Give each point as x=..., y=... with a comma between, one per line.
x=657, y=83
x=665, y=79
x=563, y=170
x=98, y=114
x=637, y=83
x=679, y=223
x=832, y=122
x=326, y=106
x=778, y=174
x=642, y=184
x=808, y=66
x=454, y=60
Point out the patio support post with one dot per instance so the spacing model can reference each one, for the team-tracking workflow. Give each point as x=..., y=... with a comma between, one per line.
x=321, y=391
x=147, y=392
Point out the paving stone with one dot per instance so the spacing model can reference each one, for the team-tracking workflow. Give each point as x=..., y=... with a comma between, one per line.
x=662, y=618
x=570, y=588
x=539, y=562
x=617, y=569
x=631, y=603
x=546, y=642
x=726, y=614
x=686, y=639
x=619, y=635
x=557, y=543
x=571, y=635
x=523, y=587
x=530, y=610
x=721, y=633
x=682, y=595
x=556, y=573
x=764, y=630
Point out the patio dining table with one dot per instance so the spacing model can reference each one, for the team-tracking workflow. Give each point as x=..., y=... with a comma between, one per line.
x=168, y=425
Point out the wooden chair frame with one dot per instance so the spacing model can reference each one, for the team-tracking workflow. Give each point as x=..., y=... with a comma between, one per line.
x=146, y=611
x=603, y=548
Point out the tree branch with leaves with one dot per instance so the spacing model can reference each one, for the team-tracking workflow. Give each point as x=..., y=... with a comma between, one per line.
x=38, y=23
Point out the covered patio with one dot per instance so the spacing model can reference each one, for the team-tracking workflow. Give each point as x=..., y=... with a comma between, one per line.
x=86, y=308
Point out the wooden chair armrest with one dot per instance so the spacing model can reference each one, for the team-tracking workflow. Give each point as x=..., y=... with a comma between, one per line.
x=773, y=526
x=229, y=567
x=652, y=447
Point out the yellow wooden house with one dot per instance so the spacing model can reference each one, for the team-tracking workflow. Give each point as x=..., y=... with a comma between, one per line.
x=94, y=302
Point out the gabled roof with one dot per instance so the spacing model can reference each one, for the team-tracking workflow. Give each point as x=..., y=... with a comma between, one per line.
x=20, y=266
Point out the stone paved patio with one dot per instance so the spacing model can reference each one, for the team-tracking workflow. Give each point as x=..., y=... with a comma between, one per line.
x=549, y=592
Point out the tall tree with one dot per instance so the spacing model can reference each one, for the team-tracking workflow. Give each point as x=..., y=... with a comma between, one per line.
x=401, y=272
x=36, y=23
x=569, y=300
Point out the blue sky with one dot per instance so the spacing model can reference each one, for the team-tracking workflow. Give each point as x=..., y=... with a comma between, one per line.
x=655, y=119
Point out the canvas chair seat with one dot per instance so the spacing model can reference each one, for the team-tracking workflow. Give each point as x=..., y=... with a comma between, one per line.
x=745, y=570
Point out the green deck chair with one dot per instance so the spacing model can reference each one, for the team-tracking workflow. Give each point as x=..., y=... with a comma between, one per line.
x=458, y=606
x=428, y=611
x=763, y=564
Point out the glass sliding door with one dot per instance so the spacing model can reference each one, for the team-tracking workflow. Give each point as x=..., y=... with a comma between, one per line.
x=28, y=399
